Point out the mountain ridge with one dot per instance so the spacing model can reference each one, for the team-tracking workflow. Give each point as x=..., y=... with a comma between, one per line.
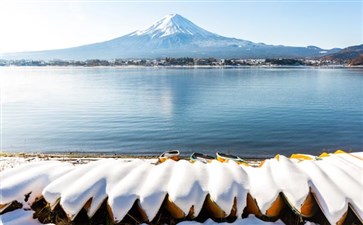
x=173, y=36
x=353, y=55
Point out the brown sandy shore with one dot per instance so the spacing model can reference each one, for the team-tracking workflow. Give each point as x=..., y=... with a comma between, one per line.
x=10, y=159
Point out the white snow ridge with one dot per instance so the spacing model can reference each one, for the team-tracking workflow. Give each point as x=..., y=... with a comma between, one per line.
x=325, y=189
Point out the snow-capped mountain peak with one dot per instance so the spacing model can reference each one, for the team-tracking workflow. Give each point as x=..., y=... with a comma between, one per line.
x=173, y=24
x=172, y=36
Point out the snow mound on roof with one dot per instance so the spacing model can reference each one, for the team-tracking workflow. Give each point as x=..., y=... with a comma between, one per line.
x=251, y=220
x=186, y=184
x=337, y=182
x=29, y=180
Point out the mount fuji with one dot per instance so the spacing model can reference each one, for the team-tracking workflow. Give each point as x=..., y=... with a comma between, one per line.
x=172, y=36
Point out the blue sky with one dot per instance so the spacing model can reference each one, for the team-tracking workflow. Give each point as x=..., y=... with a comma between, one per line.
x=50, y=24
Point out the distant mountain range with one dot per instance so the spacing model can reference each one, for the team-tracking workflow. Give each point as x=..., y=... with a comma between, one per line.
x=173, y=36
x=352, y=55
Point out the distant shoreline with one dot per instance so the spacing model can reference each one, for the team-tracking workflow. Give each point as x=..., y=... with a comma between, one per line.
x=191, y=67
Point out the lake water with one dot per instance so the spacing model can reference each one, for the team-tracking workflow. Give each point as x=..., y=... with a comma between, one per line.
x=251, y=112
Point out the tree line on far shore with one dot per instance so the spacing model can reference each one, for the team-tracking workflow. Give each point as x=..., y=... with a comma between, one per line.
x=168, y=61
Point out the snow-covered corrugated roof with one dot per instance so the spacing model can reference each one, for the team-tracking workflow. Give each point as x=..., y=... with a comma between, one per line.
x=185, y=189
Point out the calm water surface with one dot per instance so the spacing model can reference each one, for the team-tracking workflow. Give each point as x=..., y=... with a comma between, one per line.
x=251, y=112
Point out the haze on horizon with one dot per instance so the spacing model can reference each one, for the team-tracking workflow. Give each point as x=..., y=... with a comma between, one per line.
x=51, y=24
